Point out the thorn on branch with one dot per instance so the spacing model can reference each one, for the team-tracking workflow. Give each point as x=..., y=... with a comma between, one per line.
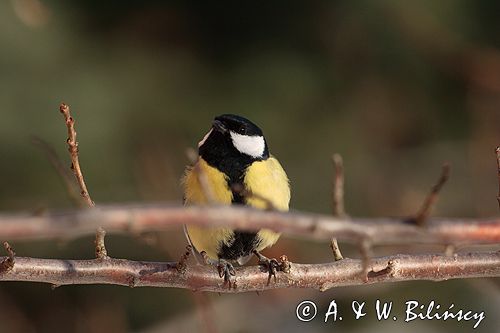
x=365, y=248
x=335, y=249
x=8, y=263
x=497, y=151
x=337, y=199
x=450, y=250
x=182, y=263
x=100, y=247
x=73, y=152
x=430, y=201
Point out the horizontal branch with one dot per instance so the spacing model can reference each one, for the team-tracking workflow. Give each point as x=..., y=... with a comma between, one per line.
x=137, y=219
x=344, y=272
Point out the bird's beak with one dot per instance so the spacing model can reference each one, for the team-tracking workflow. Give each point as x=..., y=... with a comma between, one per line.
x=219, y=126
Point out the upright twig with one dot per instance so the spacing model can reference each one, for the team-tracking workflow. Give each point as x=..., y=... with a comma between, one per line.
x=497, y=151
x=337, y=255
x=61, y=170
x=100, y=247
x=73, y=151
x=338, y=186
x=337, y=199
x=421, y=218
x=365, y=248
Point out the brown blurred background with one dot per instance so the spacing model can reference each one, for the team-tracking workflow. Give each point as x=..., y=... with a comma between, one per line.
x=397, y=88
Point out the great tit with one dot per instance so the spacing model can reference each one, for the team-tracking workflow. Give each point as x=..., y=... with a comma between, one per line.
x=234, y=159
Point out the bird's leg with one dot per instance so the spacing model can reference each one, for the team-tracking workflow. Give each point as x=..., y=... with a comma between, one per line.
x=182, y=263
x=224, y=267
x=271, y=265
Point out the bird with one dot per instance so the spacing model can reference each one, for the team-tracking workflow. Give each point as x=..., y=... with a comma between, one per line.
x=234, y=167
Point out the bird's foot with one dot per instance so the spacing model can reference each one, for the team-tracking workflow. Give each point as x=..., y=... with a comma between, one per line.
x=182, y=263
x=224, y=267
x=273, y=265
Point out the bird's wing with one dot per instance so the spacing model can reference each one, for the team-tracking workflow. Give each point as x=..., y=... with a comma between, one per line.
x=202, y=184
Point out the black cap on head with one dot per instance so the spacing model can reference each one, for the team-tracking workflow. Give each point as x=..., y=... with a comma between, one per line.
x=236, y=124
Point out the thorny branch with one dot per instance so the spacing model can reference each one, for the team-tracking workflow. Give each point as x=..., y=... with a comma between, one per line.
x=422, y=216
x=137, y=219
x=364, y=232
x=250, y=278
x=73, y=151
x=100, y=247
x=151, y=217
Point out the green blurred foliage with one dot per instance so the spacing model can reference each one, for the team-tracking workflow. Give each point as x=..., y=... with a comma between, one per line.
x=397, y=88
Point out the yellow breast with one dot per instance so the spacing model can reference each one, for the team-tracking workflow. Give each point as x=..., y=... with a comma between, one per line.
x=197, y=181
x=266, y=179
x=203, y=182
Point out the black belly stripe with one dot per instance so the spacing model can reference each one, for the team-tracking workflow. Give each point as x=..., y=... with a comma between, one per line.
x=220, y=154
x=242, y=245
x=244, y=242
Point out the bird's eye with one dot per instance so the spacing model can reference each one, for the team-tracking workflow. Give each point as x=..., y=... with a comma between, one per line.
x=242, y=130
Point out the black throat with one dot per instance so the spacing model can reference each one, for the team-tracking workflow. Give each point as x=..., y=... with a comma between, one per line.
x=219, y=152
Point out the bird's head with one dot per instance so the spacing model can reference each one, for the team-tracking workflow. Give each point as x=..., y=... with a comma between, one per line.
x=233, y=135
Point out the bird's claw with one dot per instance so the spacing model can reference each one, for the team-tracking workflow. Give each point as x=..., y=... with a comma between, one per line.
x=270, y=265
x=224, y=268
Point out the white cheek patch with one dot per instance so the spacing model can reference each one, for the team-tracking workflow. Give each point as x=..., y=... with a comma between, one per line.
x=205, y=138
x=250, y=145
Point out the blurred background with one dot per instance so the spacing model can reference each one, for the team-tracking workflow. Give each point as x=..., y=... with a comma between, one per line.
x=397, y=88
